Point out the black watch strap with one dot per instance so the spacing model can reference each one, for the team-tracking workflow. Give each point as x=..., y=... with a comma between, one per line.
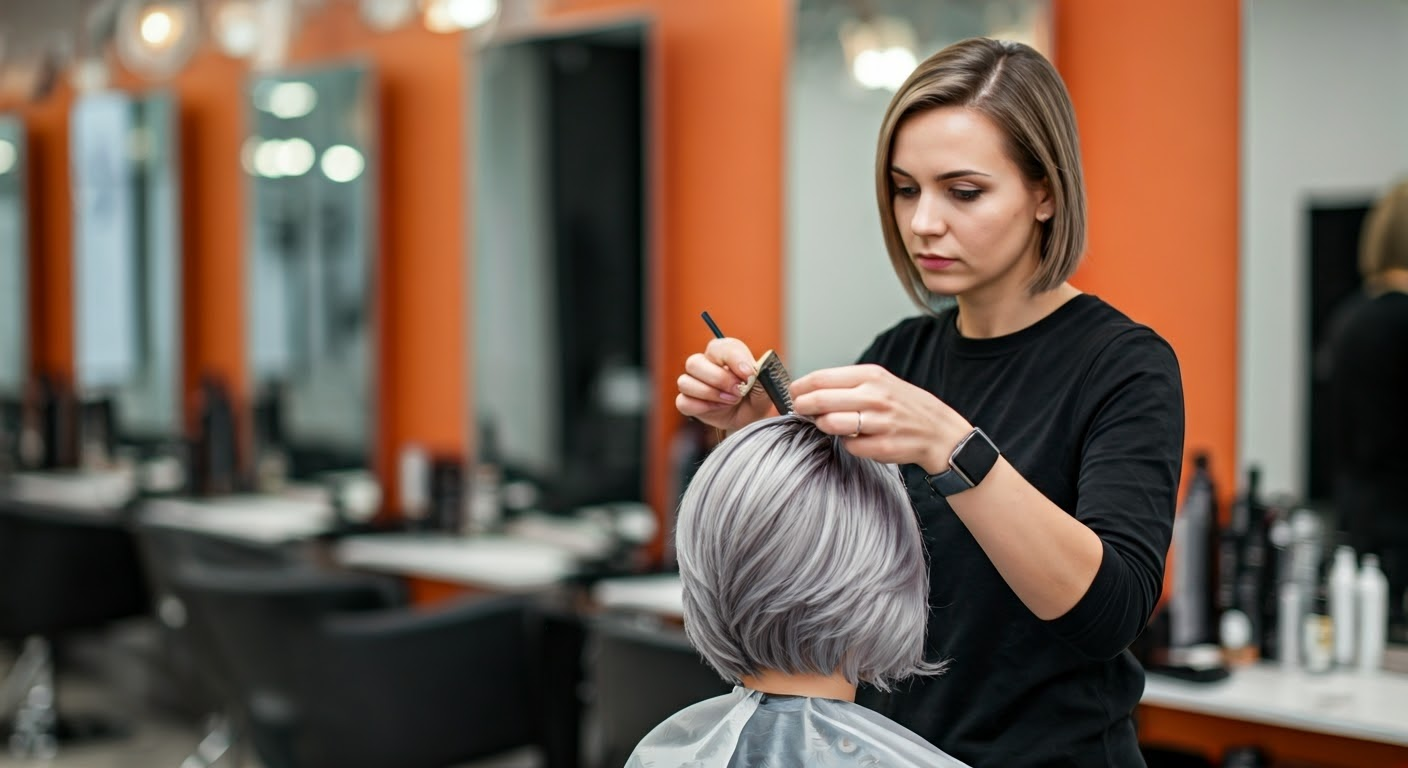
x=969, y=463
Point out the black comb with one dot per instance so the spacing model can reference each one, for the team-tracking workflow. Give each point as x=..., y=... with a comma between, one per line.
x=769, y=370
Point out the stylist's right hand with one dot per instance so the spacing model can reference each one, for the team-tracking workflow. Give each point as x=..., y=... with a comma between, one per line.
x=710, y=383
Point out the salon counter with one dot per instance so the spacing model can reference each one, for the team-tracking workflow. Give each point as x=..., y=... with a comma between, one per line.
x=1338, y=719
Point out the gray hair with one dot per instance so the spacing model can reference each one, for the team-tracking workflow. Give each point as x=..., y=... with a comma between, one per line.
x=798, y=557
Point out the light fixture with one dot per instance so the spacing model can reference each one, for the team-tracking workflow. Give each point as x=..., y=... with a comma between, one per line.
x=879, y=51
x=386, y=15
x=156, y=39
x=291, y=100
x=235, y=26
x=342, y=163
x=447, y=16
x=8, y=156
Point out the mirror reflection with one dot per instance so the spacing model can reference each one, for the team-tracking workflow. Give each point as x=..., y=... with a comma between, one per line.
x=1303, y=226
x=127, y=267
x=309, y=158
x=561, y=387
x=14, y=285
x=848, y=58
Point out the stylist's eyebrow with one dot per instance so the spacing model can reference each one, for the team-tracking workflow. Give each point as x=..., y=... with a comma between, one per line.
x=943, y=176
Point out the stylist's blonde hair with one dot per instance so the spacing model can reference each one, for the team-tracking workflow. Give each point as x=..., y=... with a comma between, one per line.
x=1383, y=244
x=1021, y=93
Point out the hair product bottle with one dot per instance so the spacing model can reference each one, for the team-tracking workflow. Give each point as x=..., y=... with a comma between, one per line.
x=1372, y=589
x=1191, y=610
x=1342, y=598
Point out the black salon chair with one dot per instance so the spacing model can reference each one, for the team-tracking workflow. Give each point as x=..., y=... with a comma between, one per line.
x=195, y=677
x=60, y=573
x=327, y=674
x=641, y=675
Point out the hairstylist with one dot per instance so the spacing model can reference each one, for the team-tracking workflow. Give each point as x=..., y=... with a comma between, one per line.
x=1039, y=429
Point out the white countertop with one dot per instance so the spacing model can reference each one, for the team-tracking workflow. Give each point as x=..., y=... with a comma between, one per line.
x=99, y=493
x=660, y=594
x=1371, y=707
x=500, y=563
x=261, y=519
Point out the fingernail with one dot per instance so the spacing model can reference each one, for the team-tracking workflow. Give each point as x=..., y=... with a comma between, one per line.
x=728, y=397
x=746, y=368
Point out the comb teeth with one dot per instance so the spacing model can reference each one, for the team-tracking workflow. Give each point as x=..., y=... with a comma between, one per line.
x=775, y=380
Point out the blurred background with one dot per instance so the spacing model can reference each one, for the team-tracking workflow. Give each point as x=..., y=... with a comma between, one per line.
x=338, y=344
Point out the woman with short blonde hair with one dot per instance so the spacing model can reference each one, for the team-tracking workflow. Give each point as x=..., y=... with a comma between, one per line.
x=1039, y=430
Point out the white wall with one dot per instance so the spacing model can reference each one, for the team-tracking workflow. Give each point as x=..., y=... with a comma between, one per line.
x=1323, y=116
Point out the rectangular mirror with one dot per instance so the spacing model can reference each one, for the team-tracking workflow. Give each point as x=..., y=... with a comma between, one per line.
x=14, y=284
x=125, y=154
x=310, y=157
x=837, y=96
x=560, y=376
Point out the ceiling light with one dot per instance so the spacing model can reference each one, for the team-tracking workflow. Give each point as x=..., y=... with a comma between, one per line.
x=235, y=26
x=342, y=163
x=291, y=100
x=156, y=39
x=8, y=157
x=386, y=15
x=157, y=27
x=455, y=15
x=879, y=51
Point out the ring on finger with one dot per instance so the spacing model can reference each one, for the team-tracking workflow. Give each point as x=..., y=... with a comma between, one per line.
x=858, y=426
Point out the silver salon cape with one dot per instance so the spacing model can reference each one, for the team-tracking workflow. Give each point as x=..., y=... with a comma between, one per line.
x=748, y=729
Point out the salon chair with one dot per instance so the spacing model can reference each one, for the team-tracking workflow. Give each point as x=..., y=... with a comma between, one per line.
x=195, y=674
x=327, y=673
x=641, y=675
x=60, y=573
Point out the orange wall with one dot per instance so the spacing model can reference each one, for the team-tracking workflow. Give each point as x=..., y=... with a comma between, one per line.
x=1155, y=87
x=1163, y=239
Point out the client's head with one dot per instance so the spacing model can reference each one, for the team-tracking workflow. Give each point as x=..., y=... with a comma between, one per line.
x=799, y=558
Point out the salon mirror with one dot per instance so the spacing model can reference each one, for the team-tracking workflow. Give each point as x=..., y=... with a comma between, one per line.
x=14, y=286
x=310, y=158
x=1311, y=167
x=560, y=382
x=125, y=151
x=848, y=58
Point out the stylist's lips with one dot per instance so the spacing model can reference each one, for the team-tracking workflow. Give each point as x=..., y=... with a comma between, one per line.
x=932, y=262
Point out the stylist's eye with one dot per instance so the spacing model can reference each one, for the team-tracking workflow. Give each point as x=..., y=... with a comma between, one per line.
x=904, y=190
x=966, y=195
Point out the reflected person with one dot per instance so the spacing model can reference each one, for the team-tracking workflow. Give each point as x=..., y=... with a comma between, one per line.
x=1367, y=359
x=804, y=575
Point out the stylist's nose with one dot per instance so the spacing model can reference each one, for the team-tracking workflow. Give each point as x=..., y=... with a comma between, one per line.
x=928, y=217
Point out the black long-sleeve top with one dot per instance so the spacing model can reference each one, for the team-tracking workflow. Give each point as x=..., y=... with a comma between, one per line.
x=1088, y=406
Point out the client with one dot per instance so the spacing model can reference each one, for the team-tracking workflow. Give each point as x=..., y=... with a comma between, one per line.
x=804, y=575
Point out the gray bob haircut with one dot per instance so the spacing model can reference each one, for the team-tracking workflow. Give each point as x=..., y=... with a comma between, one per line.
x=1016, y=88
x=800, y=558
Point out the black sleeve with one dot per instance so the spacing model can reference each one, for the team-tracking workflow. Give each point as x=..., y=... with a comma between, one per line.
x=1129, y=470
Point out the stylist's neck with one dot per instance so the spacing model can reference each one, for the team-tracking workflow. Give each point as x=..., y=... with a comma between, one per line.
x=1000, y=310
x=1391, y=279
x=834, y=686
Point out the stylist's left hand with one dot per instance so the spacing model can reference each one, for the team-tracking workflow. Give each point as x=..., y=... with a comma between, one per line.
x=898, y=422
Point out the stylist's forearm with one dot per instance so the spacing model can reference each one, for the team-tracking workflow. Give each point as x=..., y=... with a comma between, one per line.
x=1047, y=557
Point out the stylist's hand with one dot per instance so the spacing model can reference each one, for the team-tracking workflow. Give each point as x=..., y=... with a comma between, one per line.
x=898, y=422
x=710, y=384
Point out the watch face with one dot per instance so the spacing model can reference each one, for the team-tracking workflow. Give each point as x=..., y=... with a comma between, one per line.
x=976, y=456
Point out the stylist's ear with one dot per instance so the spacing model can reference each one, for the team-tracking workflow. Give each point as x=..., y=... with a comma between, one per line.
x=1045, y=204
